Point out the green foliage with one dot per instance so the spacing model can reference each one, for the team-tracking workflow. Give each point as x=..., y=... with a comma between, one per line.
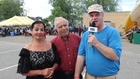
x=57, y=11
x=46, y=21
x=61, y=8
x=10, y=8
x=73, y=10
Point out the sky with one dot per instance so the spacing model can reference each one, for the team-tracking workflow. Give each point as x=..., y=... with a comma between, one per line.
x=42, y=9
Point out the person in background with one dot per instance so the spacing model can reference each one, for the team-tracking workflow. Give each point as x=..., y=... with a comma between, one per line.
x=38, y=59
x=79, y=31
x=101, y=50
x=67, y=46
x=84, y=29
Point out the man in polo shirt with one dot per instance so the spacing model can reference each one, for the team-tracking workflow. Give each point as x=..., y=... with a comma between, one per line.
x=67, y=46
x=101, y=50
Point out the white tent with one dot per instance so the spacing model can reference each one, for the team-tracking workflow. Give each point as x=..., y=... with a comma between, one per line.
x=17, y=20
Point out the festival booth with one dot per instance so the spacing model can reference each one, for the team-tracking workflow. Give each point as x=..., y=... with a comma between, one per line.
x=132, y=25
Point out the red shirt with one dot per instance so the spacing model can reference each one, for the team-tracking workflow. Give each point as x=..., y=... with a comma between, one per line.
x=67, y=51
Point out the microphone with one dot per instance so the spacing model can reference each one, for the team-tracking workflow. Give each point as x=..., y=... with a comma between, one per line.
x=92, y=27
x=93, y=24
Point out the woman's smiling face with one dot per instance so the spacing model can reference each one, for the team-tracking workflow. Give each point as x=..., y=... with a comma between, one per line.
x=38, y=31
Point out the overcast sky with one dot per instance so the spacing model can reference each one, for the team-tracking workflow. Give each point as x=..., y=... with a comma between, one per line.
x=43, y=9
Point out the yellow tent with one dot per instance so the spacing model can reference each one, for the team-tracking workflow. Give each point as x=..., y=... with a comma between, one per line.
x=129, y=24
x=17, y=20
x=133, y=19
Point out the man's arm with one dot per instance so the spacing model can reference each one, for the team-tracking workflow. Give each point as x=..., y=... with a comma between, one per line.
x=113, y=51
x=79, y=66
x=107, y=51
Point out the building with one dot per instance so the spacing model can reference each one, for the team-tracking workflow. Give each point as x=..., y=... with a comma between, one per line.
x=115, y=19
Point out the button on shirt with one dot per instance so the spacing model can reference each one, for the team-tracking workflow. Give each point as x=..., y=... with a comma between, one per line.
x=67, y=51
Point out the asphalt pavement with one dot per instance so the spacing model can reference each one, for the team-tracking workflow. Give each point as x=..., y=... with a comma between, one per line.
x=10, y=47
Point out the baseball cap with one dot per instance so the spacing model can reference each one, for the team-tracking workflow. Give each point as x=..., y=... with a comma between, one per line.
x=95, y=8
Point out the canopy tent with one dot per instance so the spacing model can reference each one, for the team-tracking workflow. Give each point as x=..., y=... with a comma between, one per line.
x=133, y=19
x=129, y=24
x=17, y=20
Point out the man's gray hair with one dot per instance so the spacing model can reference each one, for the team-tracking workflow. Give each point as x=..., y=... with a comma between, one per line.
x=60, y=18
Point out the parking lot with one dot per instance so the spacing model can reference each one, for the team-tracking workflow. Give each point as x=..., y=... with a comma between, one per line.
x=11, y=45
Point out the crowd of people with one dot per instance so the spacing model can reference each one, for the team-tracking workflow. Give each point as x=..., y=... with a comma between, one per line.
x=5, y=31
x=66, y=55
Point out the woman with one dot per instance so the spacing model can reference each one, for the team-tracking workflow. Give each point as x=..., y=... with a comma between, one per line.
x=38, y=59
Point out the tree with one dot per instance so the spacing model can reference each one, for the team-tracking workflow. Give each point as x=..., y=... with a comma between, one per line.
x=73, y=10
x=108, y=5
x=46, y=21
x=10, y=8
x=62, y=8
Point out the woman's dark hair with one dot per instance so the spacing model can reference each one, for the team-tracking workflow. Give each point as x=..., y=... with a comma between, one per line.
x=37, y=22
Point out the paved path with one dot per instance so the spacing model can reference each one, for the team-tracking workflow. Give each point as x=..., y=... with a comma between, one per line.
x=130, y=61
x=10, y=47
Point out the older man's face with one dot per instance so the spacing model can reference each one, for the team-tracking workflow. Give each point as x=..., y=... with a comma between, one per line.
x=62, y=28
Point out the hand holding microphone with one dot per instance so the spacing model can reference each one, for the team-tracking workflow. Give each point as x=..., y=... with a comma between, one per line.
x=92, y=29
